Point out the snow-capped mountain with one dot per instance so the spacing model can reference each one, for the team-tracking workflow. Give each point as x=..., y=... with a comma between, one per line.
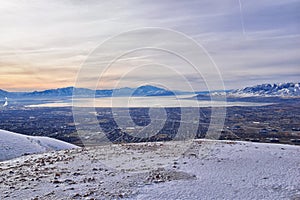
x=13, y=145
x=281, y=89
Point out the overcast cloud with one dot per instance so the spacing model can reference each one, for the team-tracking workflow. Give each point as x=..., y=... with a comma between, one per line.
x=43, y=43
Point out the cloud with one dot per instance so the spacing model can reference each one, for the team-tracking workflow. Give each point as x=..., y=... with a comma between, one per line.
x=51, y=39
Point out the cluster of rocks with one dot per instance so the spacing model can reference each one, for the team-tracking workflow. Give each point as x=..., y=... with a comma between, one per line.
x=81, y=174
x=164, y=175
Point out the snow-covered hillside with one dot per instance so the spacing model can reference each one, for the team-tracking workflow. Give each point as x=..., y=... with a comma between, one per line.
x=160, y=170
x=13, y=145
x=281, y=89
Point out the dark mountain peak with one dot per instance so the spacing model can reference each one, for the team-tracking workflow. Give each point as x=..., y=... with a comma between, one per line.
x=145, y=90
x=3, y=93
x=149, y=90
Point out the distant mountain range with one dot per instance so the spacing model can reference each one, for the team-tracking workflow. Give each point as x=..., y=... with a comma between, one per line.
x=271, y=90
x=146, y=90
x=263, y=90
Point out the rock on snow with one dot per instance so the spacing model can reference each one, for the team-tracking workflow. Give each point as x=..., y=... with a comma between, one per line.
x=207, y=169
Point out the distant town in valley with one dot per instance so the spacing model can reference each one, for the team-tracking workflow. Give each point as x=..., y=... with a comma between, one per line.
x=277, y=122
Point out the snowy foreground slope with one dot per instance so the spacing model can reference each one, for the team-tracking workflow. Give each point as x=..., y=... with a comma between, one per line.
x=13, y=145
x=206, y=170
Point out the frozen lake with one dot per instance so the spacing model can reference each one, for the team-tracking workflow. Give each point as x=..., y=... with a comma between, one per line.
x=161, y=101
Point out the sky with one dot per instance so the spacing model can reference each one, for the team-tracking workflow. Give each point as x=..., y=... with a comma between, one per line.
x=46, y=44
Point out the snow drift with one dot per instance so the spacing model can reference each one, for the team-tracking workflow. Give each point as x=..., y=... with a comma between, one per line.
x=207, y=170
x=13, y=145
